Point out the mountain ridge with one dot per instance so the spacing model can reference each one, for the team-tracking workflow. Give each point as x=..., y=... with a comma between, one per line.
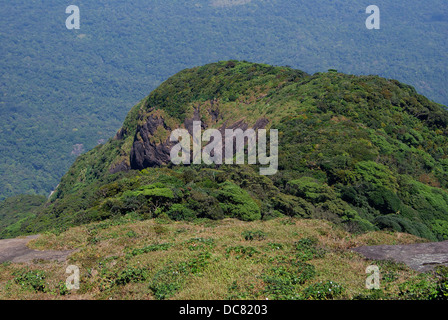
x=364, y=152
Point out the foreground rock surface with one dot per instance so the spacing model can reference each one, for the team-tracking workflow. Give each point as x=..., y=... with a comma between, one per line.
x=420, y=256
x=16, y=251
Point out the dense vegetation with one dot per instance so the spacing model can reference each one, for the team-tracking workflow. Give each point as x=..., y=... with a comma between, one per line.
x=61, y=88
x=364, y=152
x=16, y=210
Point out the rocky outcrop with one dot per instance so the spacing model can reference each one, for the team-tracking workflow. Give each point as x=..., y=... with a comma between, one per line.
x=120, y=134
x=120, y=167
x=420, y=256
x=147, y=153
x=17, y=251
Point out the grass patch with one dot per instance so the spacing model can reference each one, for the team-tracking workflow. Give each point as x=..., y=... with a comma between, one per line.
x=150, y=248
x=229, y=259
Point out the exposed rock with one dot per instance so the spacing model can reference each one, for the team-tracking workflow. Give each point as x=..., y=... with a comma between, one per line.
x=420, y=256
x=146, y=153
x=120, y=134
x=261, y=123
x=214, y=112
x=16, y=251
x=122, y=166
x=188, y=123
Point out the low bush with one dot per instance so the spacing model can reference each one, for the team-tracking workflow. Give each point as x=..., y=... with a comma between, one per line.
x=150, y=248
x=254, y=235
x=307, y=249
x=283, y=281
x=131, y=274
x=168, y=280
x=241, y=251
x=31, y=280
x=323, y=291
x=171, y=278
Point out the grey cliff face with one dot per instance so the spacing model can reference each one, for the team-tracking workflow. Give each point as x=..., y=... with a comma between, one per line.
x=146, y=153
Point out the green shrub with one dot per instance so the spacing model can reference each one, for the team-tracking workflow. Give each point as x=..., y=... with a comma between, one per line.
x=340, y=208
x=168, y=280
x=283, y=281
x=157, y=194
x=428, y=201
x=310, y=189
x=205, y=206
x=422, y=288
x=398, y=223
x=440, y=229
x=442, y=283
x=292, y=206
x=236, y=202
x=112, y=206
x=131, y=274
x=307, y=249
x=241, y=251
x=152, y=191
x=323, y=291
x=179, y=212
x=254, y=235
x=150, y=248
x=133, y=202
x=31, y=280
x=376, y=174
x=62, y=289
x=271, y=214
x=384, y=200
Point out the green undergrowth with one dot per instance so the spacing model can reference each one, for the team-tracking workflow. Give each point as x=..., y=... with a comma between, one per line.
x=279, y=259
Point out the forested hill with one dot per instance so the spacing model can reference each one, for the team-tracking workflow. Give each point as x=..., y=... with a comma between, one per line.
x=364, y=152
x=64, y=91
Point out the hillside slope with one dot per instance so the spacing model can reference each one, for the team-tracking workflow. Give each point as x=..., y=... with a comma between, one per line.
x=364, y=152
x=15, y=210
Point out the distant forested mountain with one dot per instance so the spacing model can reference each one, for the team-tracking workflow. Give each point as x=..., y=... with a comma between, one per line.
x=63, y=91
